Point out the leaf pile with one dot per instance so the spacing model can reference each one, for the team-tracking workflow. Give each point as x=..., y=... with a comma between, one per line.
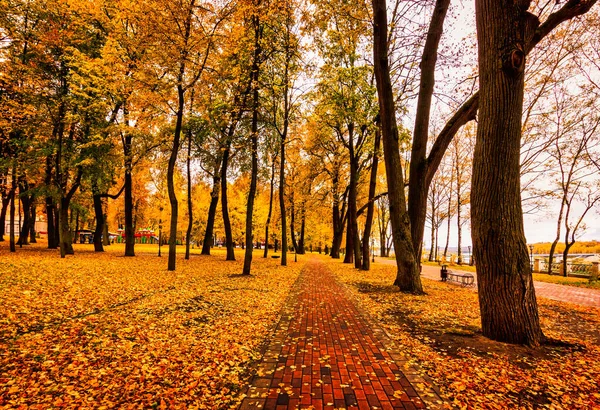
x=107, y=331
x=441, y=333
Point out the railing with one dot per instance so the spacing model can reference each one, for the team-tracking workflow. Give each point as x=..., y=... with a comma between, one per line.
x=579, y=269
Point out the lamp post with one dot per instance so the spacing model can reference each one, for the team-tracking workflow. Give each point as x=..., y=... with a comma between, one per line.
x=160, y=230
x=531, y=256
x=470, y=257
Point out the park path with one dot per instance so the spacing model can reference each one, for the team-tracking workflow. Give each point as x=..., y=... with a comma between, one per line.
x=327, y=354
x=561, y=293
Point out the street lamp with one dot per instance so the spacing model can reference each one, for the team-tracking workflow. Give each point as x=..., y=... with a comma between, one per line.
x=531, y=256
x=470, y=257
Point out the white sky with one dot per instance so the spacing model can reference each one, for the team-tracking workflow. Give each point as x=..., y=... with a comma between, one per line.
x=540, y=227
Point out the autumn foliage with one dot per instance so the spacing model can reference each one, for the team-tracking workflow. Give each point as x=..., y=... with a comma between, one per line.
x=108, y=331
x=441, y=333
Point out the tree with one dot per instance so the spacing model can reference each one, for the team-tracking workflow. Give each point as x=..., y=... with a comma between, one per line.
x=408, y=277
x=506, y=32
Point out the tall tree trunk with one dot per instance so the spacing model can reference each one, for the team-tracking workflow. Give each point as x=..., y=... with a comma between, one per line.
x=254, y=146
x=432, y=252
x=128, y=198
x=13, y=190
x=224, y=204
x=188, y=232
x=459, y=226
x=3, y=211
x=32, y=219
x=366, y=261
x=338, y=224
x=99, y=215
x=284, y=248
x=408, y=278
x=50, y=206
x=272, y=188
x=171, y=173
x=418, y=184
x=208, y=241
x=506, y=294
x=66, y=238
x=26, y=200
x=557, y=237
x=293, y=222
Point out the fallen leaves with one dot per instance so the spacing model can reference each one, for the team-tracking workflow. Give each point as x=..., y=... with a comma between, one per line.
x=107, y=331
x=440, y=333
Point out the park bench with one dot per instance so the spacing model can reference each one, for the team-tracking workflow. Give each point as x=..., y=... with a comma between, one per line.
x=462, y=278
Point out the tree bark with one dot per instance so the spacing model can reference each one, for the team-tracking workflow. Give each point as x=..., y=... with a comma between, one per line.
x=408, y=278
x=50, y=207
x=128, y=199
x=366, y=261
x=171, y=173
x=254, y=146
x=26, y=200
x=418, y=186
x=207, y=243
x=224, y=204
x=32, y=238
x=13, y=190
x=3, y=212
x=188, y=232
x=272, y=188
x=506, y=294
x=99, y=230
x=284, y=248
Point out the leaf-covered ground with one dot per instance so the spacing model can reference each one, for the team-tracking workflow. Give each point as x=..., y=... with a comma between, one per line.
x=441, y=333
x=104, y=331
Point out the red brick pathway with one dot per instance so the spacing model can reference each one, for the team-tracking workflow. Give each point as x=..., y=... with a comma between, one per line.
x=325, y=354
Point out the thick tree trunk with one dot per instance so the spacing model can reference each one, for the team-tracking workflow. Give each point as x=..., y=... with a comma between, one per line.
x=224, y=204
x=506, y=294
x=418, y=184
x=366, y=261
x=99, y=230
x=66, y=237
x=408, y=278
x=50, y=207
x=207, y=243
x=128, y=199
x=272, y=188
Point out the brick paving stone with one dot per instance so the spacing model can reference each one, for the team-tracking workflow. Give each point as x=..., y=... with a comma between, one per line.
x=326, y=353
x=554, y=291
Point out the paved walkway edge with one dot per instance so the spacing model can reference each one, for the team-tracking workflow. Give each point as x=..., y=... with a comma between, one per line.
x=260, y=384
